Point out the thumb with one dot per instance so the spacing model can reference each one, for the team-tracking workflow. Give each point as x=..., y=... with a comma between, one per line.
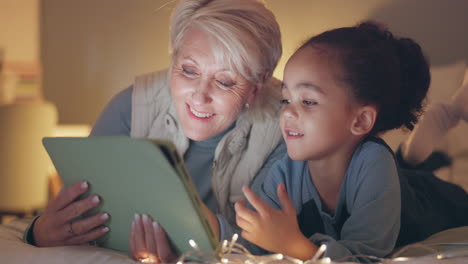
x=286, y=204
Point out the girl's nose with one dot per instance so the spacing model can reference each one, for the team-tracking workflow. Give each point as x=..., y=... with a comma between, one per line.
x=289, y=111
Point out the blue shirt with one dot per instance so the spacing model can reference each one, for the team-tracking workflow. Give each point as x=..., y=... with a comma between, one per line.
x=367, y=216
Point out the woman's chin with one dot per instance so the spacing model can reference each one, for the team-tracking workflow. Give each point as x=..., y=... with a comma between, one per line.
x=199, y=134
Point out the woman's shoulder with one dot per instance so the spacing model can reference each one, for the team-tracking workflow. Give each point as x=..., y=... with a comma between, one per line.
x=151, y=86
x=116, y=117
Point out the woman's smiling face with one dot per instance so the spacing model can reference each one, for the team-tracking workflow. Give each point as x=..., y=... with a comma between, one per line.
x=208, y=96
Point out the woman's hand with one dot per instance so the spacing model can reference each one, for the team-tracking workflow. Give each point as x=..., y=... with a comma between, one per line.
x=149, y=242
x=271, y=229
x=212, y=219
x=57, y=227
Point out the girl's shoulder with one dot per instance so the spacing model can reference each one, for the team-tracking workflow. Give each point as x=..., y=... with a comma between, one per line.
x=372, y=150
x=285, y=170
x=373, y=164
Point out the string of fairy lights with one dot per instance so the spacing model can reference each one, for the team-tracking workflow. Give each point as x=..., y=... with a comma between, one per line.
x=231, y=252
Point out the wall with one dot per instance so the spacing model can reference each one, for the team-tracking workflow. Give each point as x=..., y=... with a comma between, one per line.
x=92, y=49
x=19, y=29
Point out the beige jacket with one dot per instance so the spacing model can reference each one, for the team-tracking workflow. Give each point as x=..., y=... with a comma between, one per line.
x=239, y=155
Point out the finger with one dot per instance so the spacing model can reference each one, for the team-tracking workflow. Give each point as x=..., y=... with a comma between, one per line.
x=165, y=252
x=244, y=224
x=90, y=236
x=132, y=240
x=85, y=225
x=140, y=254
x=255, y=201
x=245, y=213
x=248, y=236
x=67, y=196
x=241, y=203
x=149, y=234
x=286, y=204
x=78, y=208
x=140, y=243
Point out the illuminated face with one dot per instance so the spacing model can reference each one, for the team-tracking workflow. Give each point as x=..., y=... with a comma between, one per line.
x=317, y=109
x=208, y=96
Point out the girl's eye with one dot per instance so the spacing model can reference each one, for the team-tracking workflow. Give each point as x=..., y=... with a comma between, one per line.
x=308, y=103
x=285, y=101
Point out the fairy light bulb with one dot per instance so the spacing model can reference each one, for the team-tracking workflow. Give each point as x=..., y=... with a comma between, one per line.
x=193, y=244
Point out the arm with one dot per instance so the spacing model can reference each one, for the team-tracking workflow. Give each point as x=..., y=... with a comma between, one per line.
x=264, y=224
x=115, y=119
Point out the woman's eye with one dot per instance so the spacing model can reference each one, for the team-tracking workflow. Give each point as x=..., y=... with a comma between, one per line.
x=226, y=84
x=309, y=103
x=285, y=101
x=188, y=72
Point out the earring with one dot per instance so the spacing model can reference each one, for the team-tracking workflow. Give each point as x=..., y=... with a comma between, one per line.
x=247, y=106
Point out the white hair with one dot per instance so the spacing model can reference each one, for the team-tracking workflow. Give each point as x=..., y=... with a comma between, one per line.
x=245, y=34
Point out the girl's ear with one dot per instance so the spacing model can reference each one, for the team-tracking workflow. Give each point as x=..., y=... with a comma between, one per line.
x=364, y=120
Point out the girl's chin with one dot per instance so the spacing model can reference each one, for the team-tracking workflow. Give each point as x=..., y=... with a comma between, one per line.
x=295, y=156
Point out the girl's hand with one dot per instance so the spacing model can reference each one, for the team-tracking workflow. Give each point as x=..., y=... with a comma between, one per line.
x=149, y=242
x=271, y=229
x=57, y=227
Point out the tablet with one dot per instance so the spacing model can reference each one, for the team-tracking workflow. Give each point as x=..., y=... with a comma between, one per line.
x=135, y=176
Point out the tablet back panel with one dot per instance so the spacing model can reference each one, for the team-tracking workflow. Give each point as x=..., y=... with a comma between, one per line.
x=134, y=176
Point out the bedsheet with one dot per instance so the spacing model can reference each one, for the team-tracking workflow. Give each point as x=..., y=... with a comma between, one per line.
x=447, y=247
x=13, y=250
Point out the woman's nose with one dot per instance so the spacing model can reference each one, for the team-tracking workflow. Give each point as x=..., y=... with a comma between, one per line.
x=202, y=94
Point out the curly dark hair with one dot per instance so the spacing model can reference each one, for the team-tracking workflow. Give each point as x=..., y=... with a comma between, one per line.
x=383, y=70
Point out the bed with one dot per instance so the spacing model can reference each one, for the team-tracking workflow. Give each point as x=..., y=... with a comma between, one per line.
x=447, y=247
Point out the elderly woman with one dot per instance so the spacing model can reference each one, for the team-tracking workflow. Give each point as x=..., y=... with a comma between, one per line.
x=216, y=102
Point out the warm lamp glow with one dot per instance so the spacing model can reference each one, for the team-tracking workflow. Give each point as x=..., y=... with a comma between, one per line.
x=78, y=130
x=72, y=130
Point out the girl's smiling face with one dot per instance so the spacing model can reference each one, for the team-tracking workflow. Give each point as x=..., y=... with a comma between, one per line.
x=318, y=109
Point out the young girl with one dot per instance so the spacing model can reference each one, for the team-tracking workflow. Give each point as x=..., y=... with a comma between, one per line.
x=339, y=184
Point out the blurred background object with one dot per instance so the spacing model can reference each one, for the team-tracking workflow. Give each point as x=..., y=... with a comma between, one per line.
x=7, y=87
x=24, y=163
